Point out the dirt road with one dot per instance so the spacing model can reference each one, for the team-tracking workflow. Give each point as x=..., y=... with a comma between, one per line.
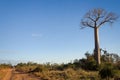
x=11, y=74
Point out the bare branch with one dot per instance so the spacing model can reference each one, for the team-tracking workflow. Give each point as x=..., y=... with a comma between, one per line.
x=88, y=15
x=91, y=19
x=98, y=17
x=109, y=18
x=87, y=24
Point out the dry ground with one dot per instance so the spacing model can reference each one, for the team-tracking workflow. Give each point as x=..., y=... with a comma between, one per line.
x=11, y=74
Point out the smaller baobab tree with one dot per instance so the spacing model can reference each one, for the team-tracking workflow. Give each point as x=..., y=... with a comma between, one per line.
x=95, y=19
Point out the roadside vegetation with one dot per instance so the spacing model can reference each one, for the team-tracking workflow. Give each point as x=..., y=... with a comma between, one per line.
x=80, y=69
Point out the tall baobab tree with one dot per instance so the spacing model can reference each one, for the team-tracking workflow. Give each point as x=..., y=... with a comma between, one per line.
x=96, y=18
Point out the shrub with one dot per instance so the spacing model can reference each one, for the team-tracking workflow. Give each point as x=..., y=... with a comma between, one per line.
x=107, y=71
x=5, y=66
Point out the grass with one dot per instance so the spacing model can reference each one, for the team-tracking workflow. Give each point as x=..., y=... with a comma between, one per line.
x=68, y=74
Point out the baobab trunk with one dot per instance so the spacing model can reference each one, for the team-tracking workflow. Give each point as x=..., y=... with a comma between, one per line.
x=95, y=19
x=97, y=54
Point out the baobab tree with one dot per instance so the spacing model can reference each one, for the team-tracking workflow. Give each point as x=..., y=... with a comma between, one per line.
x=95, y=19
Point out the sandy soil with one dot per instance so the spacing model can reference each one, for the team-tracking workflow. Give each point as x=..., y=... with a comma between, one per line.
x=8, y=73
x=11, y=74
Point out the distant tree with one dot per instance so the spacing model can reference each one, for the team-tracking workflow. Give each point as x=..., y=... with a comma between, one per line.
x=88, y=63
x=115, y=57
x=95, y=18
x=76, y=63
x=109, y=57
x=4, y=65
x=87, y=54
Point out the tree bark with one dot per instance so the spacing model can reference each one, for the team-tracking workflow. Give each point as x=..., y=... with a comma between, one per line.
x=97, y=48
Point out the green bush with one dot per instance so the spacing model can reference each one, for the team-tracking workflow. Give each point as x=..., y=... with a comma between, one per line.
x=5, y=66
x=25, y=67
x=107, y=71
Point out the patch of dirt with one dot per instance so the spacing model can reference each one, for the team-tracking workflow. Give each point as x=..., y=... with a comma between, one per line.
x=8, y=73
x=11, y=74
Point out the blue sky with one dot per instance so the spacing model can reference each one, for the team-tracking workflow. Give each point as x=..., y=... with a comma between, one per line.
x=49, y=30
